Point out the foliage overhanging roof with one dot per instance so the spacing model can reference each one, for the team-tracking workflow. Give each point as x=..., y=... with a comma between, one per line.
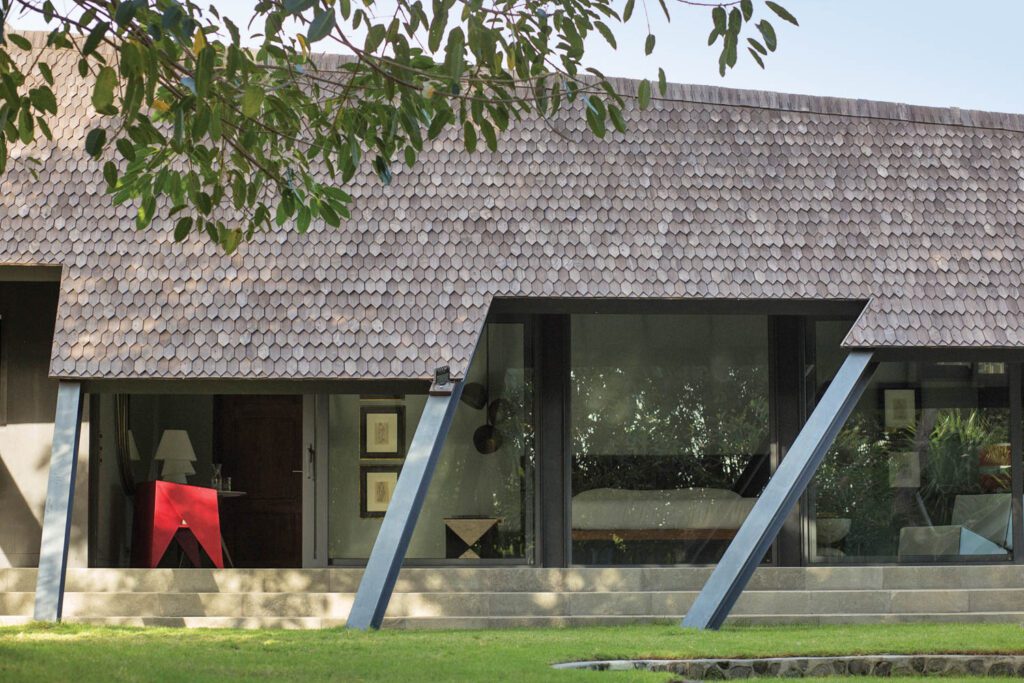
x=712, y=194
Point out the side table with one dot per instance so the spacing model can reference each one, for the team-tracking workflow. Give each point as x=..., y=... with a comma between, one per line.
x=466, y=537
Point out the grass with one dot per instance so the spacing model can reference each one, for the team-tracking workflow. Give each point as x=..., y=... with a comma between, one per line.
x=83, y=653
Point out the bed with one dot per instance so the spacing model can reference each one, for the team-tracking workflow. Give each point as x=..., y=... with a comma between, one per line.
x=706, y=514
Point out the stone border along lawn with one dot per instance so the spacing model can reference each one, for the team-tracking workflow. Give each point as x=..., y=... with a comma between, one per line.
x=787, y=667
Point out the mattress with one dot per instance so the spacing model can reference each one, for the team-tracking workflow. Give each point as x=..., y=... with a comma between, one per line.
x=698, y=508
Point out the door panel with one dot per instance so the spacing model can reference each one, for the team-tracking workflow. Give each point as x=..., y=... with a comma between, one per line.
x=259, y=443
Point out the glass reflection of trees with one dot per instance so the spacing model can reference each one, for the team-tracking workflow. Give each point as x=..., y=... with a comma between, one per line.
x=854, y=480
x=658, y=428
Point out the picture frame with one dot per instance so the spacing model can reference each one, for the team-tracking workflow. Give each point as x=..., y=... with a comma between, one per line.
x=376, y=487
x=899, y=407
x=905, y=470
x=382, y=432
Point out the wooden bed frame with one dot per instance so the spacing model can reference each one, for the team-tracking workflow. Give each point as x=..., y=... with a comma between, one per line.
x=653, y=534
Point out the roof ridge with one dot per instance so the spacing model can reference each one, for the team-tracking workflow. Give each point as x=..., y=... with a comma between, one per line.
x=791, y=102
x=830, y=106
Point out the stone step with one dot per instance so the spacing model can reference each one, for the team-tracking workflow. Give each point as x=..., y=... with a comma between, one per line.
x=521, y=579
x=17, y=603
x=518, y=604
x=449, y=623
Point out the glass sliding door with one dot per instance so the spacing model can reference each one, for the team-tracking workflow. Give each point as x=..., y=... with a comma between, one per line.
x=922, y=470
x=479, y=506
x=669, y=434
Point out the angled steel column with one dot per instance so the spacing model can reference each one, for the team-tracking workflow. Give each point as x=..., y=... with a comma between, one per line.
x=389, y=549
x=786, y=486
x=60, y=494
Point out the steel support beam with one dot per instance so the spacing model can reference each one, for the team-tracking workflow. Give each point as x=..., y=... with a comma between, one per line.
x=794, y=473
x=60, y=495
x=392, y=542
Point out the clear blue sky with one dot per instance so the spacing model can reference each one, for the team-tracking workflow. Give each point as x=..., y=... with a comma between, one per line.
x=963, y=53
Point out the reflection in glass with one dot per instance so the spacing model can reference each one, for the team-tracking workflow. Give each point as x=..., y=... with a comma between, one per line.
x=480, y=501
x=670, y=439
x=921, y=471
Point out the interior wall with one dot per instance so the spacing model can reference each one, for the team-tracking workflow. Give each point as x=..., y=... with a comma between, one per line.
x=27, y=314
x=465, y=482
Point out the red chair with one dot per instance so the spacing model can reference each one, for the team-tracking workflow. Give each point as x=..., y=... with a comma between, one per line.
x=165, y=511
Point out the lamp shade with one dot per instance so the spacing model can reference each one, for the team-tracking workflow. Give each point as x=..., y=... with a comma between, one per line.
x=175, y=445
x=133, y=448
x=177, y=454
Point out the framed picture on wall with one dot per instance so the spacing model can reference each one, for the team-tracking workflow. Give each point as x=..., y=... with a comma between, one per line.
x=900, y=408
x=905, y=470
x=376, y=487
x=382, y=432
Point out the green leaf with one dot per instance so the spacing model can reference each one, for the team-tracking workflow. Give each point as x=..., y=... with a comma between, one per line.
x=25, y=126
x=125, y=12
x=782, y=13
x=757, y=46
x=95, y=37
x=182, y=228
x=719, y=17
x=490, y=137
x=204, y=71
x=747, y=7
x=125, y=147
x=595, y=120
x=110, y=173
x=20, y=41
x=454, y=53
x=252, y=100
x=103, y=91
x=321, y=26
x=628, y=11
x=437, y=28
x=146, y=211
x=662, y=82
x=615, y=114
x=437, y=124
x=297, y=6
x=643, y=93
x=757, y=57
x=649, y=44
x=44, y=69
x=94, y=141
x=469, y=135
x=606, y=33
x=768, y=33
x=374, y=37
x=42, y=99
x=735, y=21
x=303, y=219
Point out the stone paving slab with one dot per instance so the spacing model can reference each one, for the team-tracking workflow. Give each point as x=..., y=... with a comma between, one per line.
x=788, y=667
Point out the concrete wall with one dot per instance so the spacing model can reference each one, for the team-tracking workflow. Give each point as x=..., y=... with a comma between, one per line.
x=27, y=314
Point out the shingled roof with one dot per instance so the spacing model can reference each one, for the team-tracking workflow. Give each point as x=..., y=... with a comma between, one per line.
x=713, y=193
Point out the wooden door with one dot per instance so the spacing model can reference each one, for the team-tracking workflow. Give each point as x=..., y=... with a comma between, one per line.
x=259, y=444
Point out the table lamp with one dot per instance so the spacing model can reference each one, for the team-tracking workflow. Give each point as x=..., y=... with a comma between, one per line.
x=175, y=450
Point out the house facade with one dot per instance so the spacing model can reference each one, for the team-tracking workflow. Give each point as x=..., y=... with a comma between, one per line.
x=637, y=331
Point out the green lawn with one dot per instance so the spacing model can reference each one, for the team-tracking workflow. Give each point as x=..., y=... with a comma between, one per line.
x=78, y=653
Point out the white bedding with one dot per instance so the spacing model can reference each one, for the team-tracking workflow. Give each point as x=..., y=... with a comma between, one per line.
x=659, y=509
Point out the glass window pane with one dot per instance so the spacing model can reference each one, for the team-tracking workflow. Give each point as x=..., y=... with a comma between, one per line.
x=669, y=434
x=921, y=471
x=480, y=502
